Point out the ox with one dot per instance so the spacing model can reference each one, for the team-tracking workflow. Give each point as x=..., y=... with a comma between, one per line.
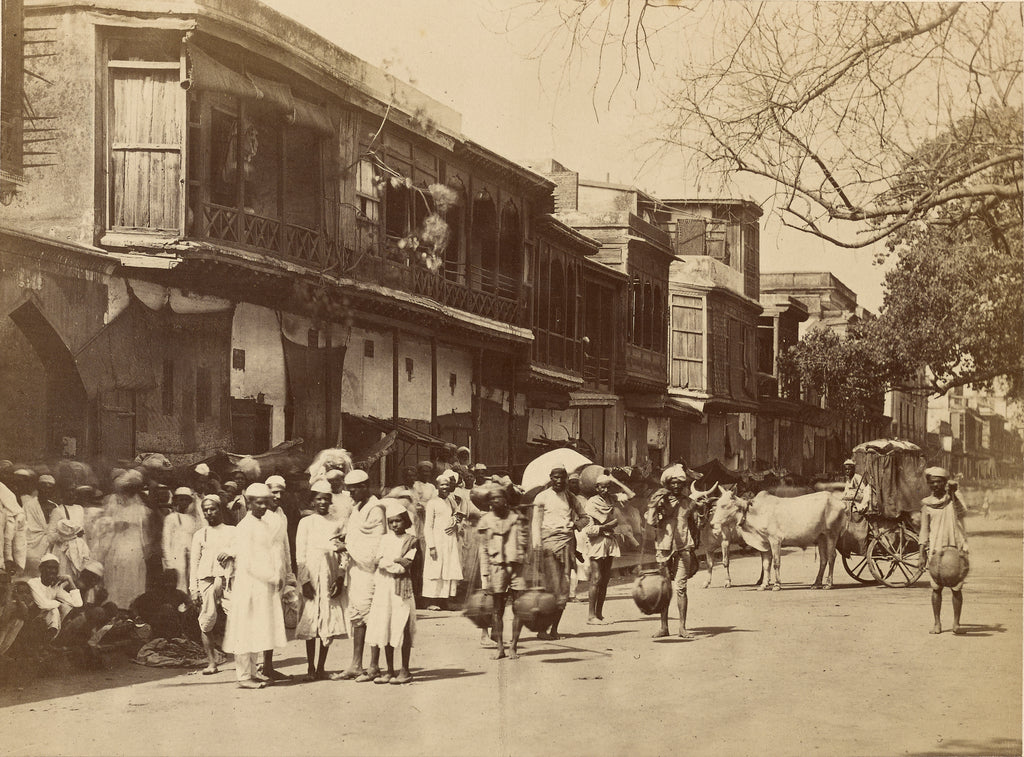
x=767, y=523
x=704, y=501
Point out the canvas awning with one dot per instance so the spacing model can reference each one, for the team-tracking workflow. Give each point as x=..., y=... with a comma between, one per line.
x=207, y=73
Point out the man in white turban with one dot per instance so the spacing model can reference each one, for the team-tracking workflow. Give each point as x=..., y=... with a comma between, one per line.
x=256, y=621
x=366, y=526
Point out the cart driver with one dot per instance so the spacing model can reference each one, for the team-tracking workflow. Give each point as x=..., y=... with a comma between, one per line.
x=857, y=494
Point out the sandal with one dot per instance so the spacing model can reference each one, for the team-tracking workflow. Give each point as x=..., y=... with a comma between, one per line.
x=382, y=678
x=399, y=679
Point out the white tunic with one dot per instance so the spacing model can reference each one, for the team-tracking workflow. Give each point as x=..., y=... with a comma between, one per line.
x=393, y=612
x=366, y=526
x=441, y=573
x=316, y=544
x=256, y=622
x=176, y=543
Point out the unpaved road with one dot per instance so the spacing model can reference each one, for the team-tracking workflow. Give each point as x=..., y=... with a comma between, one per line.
x=852, y=671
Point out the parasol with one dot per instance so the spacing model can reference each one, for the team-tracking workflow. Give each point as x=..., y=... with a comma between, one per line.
x=538, y=471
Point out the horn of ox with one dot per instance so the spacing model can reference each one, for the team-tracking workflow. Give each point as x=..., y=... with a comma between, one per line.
x=698, y=494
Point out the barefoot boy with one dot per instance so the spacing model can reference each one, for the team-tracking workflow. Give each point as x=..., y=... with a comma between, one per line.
x=502, y=552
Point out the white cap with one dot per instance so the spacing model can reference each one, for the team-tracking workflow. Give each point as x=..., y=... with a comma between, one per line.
x=49, y=557
x=275, y=481
x=936, y=472
x=46, y=478
x=182, y=491
x=202, y=469
x=257, y=490
x=394, y=508
x=320, y=486
x=356, y=476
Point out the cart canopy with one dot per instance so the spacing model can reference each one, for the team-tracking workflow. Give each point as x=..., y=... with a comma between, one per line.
x=895, y=470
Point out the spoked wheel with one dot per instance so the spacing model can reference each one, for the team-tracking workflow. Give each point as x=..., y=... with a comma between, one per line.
x=894, y=557
x=859, y=568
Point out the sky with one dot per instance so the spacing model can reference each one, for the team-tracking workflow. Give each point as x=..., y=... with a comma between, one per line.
x=528, y=97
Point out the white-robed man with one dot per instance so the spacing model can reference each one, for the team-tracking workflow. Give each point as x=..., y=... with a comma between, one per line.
x=366, y=526
x=210, y=572
x=857, y=493
x=291, y=601
x=256, y=622
x=53, y=594
x=67, y=526
x=176, y=541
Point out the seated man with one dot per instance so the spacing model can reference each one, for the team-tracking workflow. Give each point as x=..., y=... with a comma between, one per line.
x=167, y=610
x=55, y=595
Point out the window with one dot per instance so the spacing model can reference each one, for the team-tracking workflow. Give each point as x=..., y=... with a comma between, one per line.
x=145, y=124
x=510, y=250
x=238, y=360
x=367, y=192
x=368, y=348
x=647, y=317
x=687, y=342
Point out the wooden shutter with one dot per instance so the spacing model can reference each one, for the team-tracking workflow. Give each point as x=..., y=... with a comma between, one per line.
x=146, y=127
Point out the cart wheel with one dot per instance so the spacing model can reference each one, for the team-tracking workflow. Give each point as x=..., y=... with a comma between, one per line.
x=894, y=557
x=859, y=568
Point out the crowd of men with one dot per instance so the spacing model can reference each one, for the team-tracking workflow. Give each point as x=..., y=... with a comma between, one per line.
x=181, y=554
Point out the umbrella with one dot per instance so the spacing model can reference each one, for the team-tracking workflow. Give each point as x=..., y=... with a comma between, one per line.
x=538, y=472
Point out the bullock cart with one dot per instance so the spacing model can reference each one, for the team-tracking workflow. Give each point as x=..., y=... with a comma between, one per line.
x=881, y=541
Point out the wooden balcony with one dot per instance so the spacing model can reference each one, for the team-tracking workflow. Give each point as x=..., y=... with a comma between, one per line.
x=478, y=291
x=557, y=351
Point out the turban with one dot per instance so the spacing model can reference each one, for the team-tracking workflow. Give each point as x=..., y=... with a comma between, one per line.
x=320, y=486
x=212, y=498
x=480, y=468
x=674, y=471
x=202, y=469
x=93, y=566
x=275, y=481
x=257, y=490
x=334, y=473
x=356, y=476
x=128, y=478
x=936, y=472
x=460, y=450
x=46, y=478
x=849, y=461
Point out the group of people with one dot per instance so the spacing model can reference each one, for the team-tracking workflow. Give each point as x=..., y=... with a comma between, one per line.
x=233, y=564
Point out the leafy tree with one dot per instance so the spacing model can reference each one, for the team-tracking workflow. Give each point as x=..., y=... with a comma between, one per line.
x=827, y=101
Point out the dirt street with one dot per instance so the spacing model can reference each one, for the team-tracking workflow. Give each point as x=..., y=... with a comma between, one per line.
x=852, y=671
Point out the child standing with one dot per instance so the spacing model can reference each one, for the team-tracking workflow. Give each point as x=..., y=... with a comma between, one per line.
x=942, y=525
x=502, y=552
x=392, y=619
x=317, y=547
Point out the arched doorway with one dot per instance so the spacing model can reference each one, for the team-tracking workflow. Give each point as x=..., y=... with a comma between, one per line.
x=46, y=408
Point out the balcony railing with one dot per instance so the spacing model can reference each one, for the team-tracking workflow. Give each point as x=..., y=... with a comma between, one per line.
x=475, y=290
x=557, y=350
x=597, y=371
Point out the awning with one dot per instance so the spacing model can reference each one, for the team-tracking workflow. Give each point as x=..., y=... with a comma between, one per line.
x=661, y=405
x=403, y=432
x=207, y=73
x=717, y=405
x=378, y=450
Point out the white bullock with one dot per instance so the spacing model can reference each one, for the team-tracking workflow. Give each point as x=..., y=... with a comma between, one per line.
x=768, y=523
x=704, y=501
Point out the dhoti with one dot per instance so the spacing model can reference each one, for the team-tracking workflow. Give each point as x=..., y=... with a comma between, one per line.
x=358, y=596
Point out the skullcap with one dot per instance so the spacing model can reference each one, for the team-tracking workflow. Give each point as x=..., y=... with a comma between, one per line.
x=46, y=478
x=936, y=472
x=425, y=464
x=257, y=490
x=395, y=508
x=480, y=467
x=202, y=469
x=558, y=468
x=182, y=491
x=356, y=476
x=275, y=481
x=320, y=486
x=48, y=557
x=849, y=461
x=93, y=566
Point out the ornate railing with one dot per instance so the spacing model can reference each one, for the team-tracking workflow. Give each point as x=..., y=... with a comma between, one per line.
x=485, y=292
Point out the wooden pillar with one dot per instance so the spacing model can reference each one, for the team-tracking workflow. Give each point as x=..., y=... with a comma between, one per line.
x=433, y=385
x=394, y=376
x=478, y=373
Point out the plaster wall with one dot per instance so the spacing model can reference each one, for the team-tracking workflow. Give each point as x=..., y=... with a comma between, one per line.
x=255, y=329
